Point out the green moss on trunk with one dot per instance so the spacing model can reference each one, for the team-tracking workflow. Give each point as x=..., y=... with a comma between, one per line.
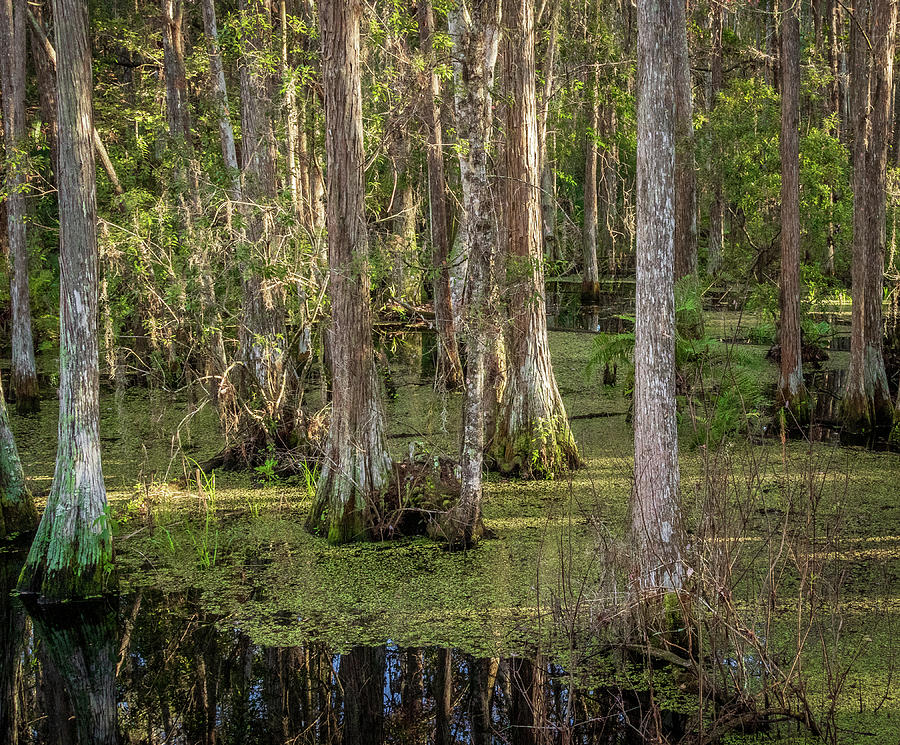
x=542, y=450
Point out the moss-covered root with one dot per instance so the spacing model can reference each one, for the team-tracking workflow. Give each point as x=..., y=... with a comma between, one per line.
x=461, y=527
x=863, y=414
x=539, y=449
x=347, y=498
x=71, y=557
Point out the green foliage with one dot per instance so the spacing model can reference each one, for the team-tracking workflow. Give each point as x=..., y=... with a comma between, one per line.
x=739, y=143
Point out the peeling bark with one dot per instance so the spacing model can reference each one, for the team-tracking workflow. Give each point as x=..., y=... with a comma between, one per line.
x=356, y=463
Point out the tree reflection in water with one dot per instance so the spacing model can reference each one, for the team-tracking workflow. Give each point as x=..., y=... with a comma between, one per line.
x=158, y=670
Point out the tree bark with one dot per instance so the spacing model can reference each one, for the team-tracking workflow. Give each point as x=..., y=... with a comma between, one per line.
x=590, y=284
x=188, y=197
x=475, y=31
x=71, y=556
x=13, y=21
x=356, y=465
x=655, y=529
x=533, y=438
x=362, y=679
x=608, y=212
x=791, y=388
x=449, y=367
x=866, y=405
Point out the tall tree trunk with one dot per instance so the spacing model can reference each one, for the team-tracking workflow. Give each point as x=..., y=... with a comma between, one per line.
x=533, y=437
x=608, y=212
x=71, y=556
x=685, y=176
x=866, y=404
x=548, y=177
x=220, y=99
x=443, y=696
x=449, y=366
x=12, y=640
x=475, y=31
x=590, y=284
x=716, y=207
x=655, y=529
x=791, y=388
x=46, y=83
x=362, y=679
x=268, y=373
x=24, y=381
x=356, y=465
x=188, y=196
x=528, y=701
x=290, y=112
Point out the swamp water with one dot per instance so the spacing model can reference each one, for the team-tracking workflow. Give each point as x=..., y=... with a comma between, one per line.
x=236, y=626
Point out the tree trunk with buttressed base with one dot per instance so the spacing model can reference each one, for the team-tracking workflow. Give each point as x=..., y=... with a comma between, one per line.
x=356, y=464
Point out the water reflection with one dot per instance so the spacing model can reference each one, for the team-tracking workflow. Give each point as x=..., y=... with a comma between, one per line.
x=157, y=670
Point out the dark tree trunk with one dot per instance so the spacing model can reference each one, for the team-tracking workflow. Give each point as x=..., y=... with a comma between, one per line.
x=46, y=83
x=866, y=404
x=81, y=645
x=655, y=529
x=13, y=21
x=532, y=437
x=362, y=678
x=71, y=556
x=449, y=367
x=608, y=212
x=590, y=284
x=443, y=697
x=528, y=704
x=12, y=640
x=548, y=177
x=685, y=176
x=716, y=207
x=791, y=388
x=356, y=465
x=474, y=29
